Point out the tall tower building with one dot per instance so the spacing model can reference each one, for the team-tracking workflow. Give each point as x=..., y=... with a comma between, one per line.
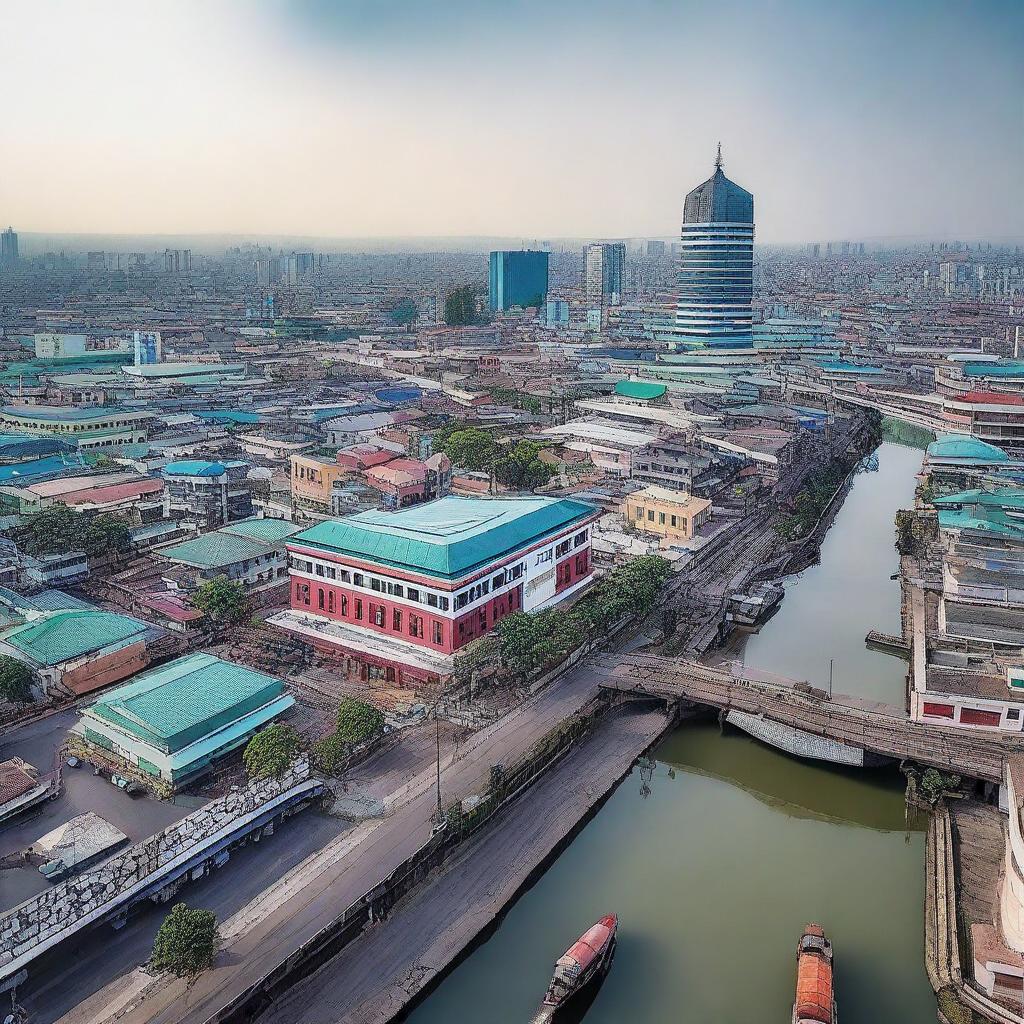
x=517, y=277
x=715, y=279
x=8, y=248
x=603, y=270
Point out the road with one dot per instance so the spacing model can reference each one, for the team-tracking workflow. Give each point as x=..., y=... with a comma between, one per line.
x=377, y=976
x=268, y=937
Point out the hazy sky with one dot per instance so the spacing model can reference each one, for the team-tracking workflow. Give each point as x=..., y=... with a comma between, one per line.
x=525, y=118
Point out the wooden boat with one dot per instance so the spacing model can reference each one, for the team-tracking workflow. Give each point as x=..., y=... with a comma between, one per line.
x=815, y=999
x=585, y=962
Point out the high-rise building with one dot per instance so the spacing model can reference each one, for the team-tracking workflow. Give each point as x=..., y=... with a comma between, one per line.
x=517, y=277
x=603, y=265
x=8, y=248
x=300, y=266
x=177, y=261
x=655, y=248
x=715, y=277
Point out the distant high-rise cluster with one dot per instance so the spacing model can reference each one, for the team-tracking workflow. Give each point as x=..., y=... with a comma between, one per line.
x=8, y=248
x=517, y=277
x=716, y=264
x=177, y=261
x=291, y=270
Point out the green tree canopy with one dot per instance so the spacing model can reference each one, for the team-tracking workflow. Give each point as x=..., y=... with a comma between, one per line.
x=222, y=600
x=187, y=941
x=460, y=307
x=358, y=721
x=270, y=753
x=330, y=754
x=472, y=448
x=520, y=467
x=59, y=529
x=403, y=312
x=15, y=679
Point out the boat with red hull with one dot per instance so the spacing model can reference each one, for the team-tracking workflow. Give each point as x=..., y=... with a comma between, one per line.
x=582, y=965
x=815, y=999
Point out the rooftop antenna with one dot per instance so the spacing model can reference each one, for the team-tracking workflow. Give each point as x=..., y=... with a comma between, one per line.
x=718, y=158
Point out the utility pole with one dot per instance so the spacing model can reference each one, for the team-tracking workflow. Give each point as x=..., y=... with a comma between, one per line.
x=437, y=740
x=830, y=662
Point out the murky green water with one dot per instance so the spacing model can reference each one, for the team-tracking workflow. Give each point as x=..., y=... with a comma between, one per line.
x=715, y=871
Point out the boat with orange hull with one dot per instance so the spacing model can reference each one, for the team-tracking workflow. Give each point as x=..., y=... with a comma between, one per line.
x=815, y=997
x=581, y=966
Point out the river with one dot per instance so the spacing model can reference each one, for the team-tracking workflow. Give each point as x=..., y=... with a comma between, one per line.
x=716, y=861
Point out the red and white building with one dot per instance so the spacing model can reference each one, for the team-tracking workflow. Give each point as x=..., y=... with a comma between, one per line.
x=396, y=594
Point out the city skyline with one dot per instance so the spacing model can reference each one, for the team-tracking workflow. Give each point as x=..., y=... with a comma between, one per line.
x=385, y=120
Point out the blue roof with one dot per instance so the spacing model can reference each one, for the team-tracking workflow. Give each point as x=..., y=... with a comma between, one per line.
x=967, y=448
x=200, y=467
x=1003, y=368
x=450, y=537
x=841, y=365
x=228, y=416
x=25, y=472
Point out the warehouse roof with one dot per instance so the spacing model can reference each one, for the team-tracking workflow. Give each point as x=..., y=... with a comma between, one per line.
x=199, y=467
x=449, y=537
x=639, y=389
x=64, y=635
x=179, y=703
x=963, y=446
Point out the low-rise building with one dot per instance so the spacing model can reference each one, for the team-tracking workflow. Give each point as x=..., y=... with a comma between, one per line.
x=313, y=481
x=675, y=516
x=174, y=721
x=207, y=493
x=84, y=428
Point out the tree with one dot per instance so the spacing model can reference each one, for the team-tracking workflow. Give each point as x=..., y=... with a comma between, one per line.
x=222, y=600
x=472, y=448
x=460, y=307
x=15, y=680
x=187, y=941
x=358, y=721
x=270, y=753
x=59, y=529
x=330, y=754
x=519, y=467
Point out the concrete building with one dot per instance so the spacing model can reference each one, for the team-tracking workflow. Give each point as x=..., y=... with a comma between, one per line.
x=251, y=552
x=714, y=284
x=81, y=427
x=396, y=594
x=8, y=248
x=517, y=277
x=603, y=271
x=207, y=493
x=174, y=721
x=98, y=492
x=78, y=651
x=672, y=515
x=313, y=481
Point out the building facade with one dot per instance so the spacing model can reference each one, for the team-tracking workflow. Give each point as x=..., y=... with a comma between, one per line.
x=672, y=515
x=715, y=277
x=408, y=589
x=517, y=277
x=8, y=247
x=603, y=270
x=208, y=493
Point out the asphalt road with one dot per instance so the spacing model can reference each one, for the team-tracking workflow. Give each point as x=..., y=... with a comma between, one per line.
x=256, y=951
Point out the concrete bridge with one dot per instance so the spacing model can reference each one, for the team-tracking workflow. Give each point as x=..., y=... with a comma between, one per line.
x=806, y=721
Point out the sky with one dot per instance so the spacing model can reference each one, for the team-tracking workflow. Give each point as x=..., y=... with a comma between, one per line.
x=528, y=119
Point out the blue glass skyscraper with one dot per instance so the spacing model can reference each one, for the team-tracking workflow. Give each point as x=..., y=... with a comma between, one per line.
x=715, y=279
x=517, y=277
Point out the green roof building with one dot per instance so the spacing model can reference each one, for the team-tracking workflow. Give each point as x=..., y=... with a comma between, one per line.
x=640, y=390
x=173, y=722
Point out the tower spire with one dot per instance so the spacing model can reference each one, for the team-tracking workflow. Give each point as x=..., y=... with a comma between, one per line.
x=718, y=158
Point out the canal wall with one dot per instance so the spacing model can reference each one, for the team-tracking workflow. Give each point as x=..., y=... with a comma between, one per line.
x=401, y=959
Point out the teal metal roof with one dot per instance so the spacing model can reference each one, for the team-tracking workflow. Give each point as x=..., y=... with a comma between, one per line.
x=184, y=701
x=639, y=389
x=1003, y=368
x=270, y=530
x=842, y=366
x=963, y=446
x=70, y=634
x=1002, y=497
x=194, y=467
x=449, y=537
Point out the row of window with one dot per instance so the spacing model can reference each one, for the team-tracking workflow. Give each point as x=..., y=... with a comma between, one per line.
x=376, y=614
x=674, y=520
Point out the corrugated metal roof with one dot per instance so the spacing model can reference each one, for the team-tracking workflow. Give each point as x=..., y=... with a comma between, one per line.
x=639, y=389
x=62, y=636
x=185, y=700
x=449, y=537
x=216, y=549
x=963, y=446
x=262, y=529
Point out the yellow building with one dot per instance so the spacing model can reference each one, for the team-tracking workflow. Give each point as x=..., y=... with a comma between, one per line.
x=313, y=481
x=672, y=515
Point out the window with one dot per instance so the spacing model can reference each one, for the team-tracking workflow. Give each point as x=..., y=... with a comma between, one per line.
x=378, y=612
x=415, y=625
x=319, y=569
x=563, y=548
x=330, y=602
x=396, y=619
x=412, y=594
x=438, y=638
x=396, y=589
x=581, y=564
x=516, y=571
x=499, y=580
x=580, y=539
x=302, y=592
x=443, y=601
x=344, y=604
x=675, y=522
x=482, y=618
x=359, y=609
x=661, y=518
x=650, y=515
x=543, y=556
x=357, y=579
x=1013, y=714
x=375, y=584
x=461, y=600
x=432, y=600
x=639, y=512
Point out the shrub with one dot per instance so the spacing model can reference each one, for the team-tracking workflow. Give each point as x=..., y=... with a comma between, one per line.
x=15, y=680
x=270, y=753
x=187, y=941
x=330, y=754
x=358, y=721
